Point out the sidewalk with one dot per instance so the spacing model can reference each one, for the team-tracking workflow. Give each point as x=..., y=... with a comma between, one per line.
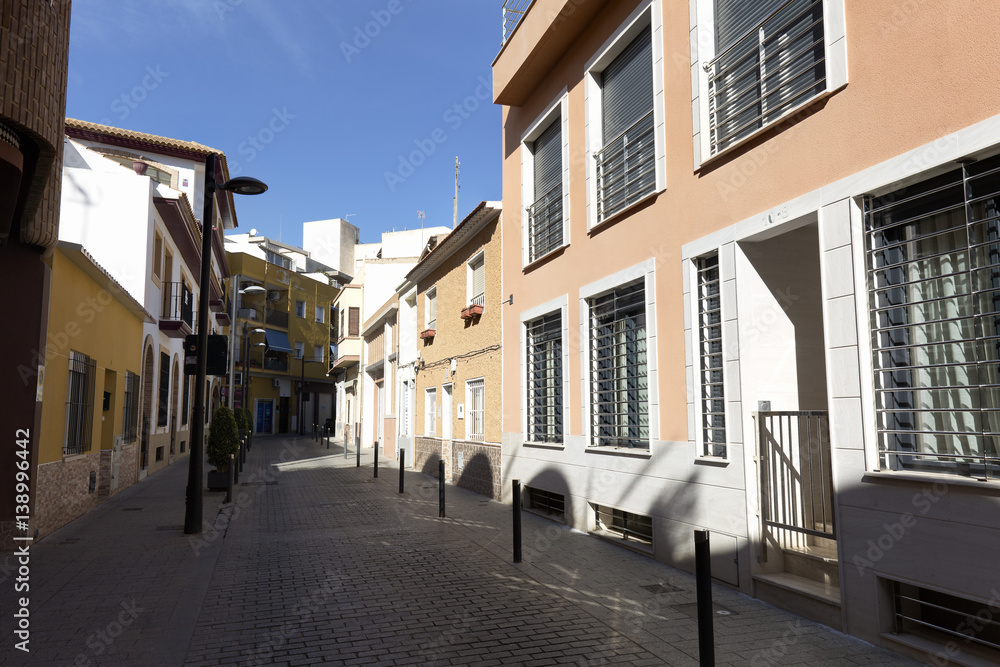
x=316, y=562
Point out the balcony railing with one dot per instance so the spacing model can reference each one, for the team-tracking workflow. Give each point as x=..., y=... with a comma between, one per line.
x=276, y=318
x=513, y=12
x=626, y=168
x=545, y=230
x=479, y=299
x=178, y=303
x=275, y=364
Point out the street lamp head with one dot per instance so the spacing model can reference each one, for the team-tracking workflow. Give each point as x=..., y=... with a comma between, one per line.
x=258, y=330
x=244, y=185
x=253, y=289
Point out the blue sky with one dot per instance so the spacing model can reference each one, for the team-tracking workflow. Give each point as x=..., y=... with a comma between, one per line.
x=341, y=106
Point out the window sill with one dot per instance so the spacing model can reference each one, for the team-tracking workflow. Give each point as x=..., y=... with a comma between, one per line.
x=915, y=477
x=794, y=114
x=620, y=451
x=717, y=461
x=544, y=445
x=615, y=538
x=628, y=210
x=538, y=261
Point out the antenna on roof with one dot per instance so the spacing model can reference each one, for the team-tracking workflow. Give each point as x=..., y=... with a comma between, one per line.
x=420, y=216
x=454, y=221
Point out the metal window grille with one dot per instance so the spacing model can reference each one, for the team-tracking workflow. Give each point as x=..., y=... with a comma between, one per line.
x=130, y=413
x=628, y=526
x=626, y=163
x=713, y=400
x=478, y=267
x=619, y=388
x=770, y=59
x=430, y=414
x=178, y=303
x=407, y=390
x=545, y=215
x=80, y=404
x=547, y=502
x=945, y=618
x=164, y=391
x=545, y=396
x=513, y=12
x=476, y=413
x=432, y=309
x=933, y=262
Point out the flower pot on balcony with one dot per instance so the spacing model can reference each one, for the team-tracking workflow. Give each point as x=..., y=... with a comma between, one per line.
x=427, y=333
x=475, y=310
x=466, y=314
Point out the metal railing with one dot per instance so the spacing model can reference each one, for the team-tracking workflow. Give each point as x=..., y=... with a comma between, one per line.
x=796, y=481
x=513, y=12
x=773, y=67
x=275, y=364
x=626, y=167
x=545, y=230
x=479, y=299
x=632, y=527
x=178, y=303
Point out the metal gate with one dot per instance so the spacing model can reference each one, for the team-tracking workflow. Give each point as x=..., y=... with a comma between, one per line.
x=796, y=481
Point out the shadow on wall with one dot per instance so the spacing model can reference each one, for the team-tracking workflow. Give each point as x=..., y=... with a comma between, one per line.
x=478, y=475
x=430, y=467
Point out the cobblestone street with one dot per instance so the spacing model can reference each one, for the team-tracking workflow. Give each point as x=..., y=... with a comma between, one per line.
x=317, y=562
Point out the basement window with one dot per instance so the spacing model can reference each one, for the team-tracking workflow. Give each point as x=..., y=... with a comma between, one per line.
x=547, y=503
x=624, y=525
x=958, y=625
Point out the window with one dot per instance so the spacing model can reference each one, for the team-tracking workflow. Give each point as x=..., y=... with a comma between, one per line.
x=943, y=618
x=430, y=309
x=430, y=411
x=300, y=350
x=317, y=353
x=626, y=163
x=157, y=255
x=713, y=406
x=933, y=253
x=320, y=313
x=164, y=393
x=543, y=150
x=353, y=320
x=300, y=308
x=626, y=525
x=477, y=280
x=130, y=414
x=619, y=385
x=404, y=407
x=80, y=404
x=544, y=382
x=475, y=396
x=770, y=58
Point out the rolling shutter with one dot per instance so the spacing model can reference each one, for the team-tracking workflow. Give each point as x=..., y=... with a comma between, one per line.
x=627, y=85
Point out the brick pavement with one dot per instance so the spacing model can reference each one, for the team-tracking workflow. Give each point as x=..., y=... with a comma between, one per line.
x=317, y=563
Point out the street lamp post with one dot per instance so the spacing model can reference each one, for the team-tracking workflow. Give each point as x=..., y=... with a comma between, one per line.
x=243, y=185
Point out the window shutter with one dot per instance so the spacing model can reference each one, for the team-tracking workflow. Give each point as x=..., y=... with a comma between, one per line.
x=548, y=159
x=479, y=277
x=352, y=324
x=733, y=18
x=628, y=86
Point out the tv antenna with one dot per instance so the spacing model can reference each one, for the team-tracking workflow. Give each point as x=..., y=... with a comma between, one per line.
x=458, y=184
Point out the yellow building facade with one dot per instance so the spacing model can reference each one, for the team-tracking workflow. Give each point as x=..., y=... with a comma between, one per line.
x=89, y=437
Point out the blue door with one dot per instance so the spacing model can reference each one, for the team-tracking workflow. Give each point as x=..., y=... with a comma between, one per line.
x=265, y=410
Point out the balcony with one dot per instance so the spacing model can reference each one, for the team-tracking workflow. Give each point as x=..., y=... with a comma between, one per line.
x=276, y=318
x=513, y=12
x=177, y=311
x=276, y=363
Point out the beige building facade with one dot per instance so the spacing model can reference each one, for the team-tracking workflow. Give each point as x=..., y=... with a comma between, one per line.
x=753, y=262
x=458, y=293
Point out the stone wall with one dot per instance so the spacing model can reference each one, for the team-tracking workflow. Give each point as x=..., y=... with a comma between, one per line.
x=63, y=491
x=479, y=469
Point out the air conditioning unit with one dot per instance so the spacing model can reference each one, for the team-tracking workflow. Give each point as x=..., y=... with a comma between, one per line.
x=275, y=383
x=273, y=295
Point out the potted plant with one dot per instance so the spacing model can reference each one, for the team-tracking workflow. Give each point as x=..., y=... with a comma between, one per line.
x=248, y=420
x=223, y=443
x=242, y=416
x=475, y=310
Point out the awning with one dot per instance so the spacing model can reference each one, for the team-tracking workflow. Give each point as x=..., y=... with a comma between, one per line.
x=277, y=340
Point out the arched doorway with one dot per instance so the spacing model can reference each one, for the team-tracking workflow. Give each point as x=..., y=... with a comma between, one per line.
x=146, y=407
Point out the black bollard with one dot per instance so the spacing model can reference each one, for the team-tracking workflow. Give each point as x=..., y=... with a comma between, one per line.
x=703, y=577
x=357, y=445
x=229, y=480
x=375, y=459
x=238, y=464
x=517, y=521
x=441, y=488
x=402, y=464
